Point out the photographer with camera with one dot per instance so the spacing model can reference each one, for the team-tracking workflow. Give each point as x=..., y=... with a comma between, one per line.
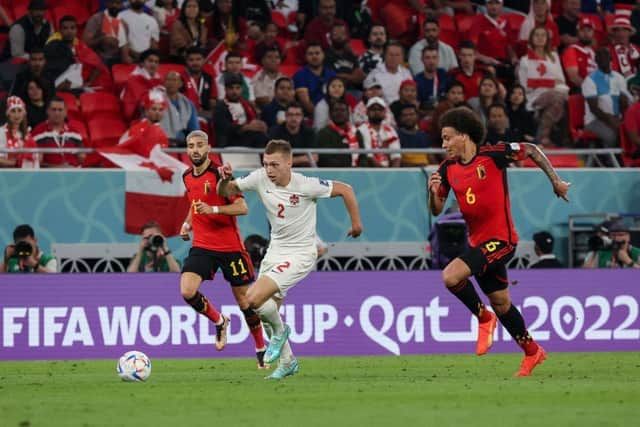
x=153, y=253
x=24, y=255
x=610, y=247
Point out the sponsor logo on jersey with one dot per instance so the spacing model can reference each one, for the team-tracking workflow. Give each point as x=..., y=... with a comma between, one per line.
x=323, y=182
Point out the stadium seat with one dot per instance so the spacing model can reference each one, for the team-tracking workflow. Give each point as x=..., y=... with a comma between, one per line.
x=448, y=30
x=358, y=47
x=102, y=104
x=576, y=120
x=628, y=148
x=165, y=68
x=106, y=132
x=289, y=70
x=4, y=39
x=82, y=128
x=120, y=73
x=557, y=161
x=71, y=102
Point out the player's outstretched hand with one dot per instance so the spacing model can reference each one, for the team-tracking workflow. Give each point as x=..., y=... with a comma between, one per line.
x=355, y=230
x=225, y=171
x=561, y=188
x=184, y=231
x=434, y=182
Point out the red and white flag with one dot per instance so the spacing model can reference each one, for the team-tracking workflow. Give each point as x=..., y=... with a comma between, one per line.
x=154, y=187
x=214, y=63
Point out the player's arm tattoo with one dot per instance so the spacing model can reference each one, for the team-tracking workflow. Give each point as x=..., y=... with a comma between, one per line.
x=534, y=153
x=227, y=187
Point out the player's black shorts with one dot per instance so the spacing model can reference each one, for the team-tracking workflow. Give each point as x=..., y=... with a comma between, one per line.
x=236, y=266
x=487, y=262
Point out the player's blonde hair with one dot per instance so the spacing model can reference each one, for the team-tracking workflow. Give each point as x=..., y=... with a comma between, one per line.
x=197, y=134
x=278, y=146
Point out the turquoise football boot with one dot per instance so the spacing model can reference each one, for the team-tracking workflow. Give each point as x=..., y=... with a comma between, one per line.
x=275, y=345
x=283, y=370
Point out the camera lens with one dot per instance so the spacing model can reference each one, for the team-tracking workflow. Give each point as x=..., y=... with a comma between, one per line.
x=157, y=241
x=23, y=249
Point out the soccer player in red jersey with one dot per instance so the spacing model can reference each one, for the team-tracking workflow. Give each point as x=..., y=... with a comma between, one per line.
x=216, y=244
x=477, y=175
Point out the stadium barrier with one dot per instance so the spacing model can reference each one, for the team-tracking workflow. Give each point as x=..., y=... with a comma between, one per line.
x=358, y=313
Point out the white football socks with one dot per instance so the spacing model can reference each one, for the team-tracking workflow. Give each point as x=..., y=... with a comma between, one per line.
x=270, y=316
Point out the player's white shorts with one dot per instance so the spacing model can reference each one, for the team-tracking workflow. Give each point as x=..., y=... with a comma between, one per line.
x=288, y=269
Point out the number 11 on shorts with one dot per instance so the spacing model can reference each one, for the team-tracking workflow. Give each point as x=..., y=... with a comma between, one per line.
x=234, y=269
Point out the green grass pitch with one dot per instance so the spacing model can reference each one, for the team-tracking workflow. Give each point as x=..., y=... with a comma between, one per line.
x=569, y=389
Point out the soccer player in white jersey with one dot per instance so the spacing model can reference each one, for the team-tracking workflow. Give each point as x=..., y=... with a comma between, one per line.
x=290, y=201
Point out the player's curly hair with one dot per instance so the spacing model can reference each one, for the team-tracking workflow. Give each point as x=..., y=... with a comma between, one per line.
x=465, y=121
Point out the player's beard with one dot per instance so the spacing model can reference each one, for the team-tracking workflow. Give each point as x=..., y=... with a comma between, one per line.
x=198, y=162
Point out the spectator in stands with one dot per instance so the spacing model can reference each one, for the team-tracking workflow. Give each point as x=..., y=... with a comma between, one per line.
x=468, y=74
x=55, y=132
x=153, y=253
x=624, y=54
x=489, y=94
x=287, y=9
x=143, y=78
x=297, y=134
x=270, y=41
x=433, y=81
x=167, y=13
x=376, y=41
x=311, y=79
x=411, y=136
x=372, y=88
x=30, y=31
x=340, y=133
x=181, y=116
x=540, y=17
x=143, y=31
x=342, y=60
x=498, y=126
x=606, y=97
x=199, y=85
x=455, y=98
x=335, y=90
x=188, y=31
x=544, y=249
x=391, y=73
x=319, y=28
x=631, y=128
x=540, y=72
x=227, y=25
x=25, y=256
x=106, y=34
x=274, y=112
x=408, y=95
x=235, y=119
x=264, y=81
x=567, y=23
x=490, y=32
x=521, y=121
x=618, y=253
x=34, y=68
x=579, y=59
x=233, y=66
x=446, y=55
x=70, y=63
x=374, y=135
x=600, y=7
x=15, y=134
x=36, y=101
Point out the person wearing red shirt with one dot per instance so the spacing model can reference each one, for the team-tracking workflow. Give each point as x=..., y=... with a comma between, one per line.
x=468, y=73
x=199, y=86
x=579, y=59
x=478, y=177
x=490, y=32
x=217, y=244
x=624, y=54
x=319, y=29
x=56, y=132
x=144, y=78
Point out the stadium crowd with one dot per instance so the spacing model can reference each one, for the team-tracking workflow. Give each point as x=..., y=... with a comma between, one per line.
x=318, y=73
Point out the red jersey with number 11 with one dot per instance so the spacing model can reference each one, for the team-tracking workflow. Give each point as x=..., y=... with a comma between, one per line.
x=482, y=191
x=213, y=232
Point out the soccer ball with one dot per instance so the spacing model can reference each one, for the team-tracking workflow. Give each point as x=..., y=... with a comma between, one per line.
x=134, y=366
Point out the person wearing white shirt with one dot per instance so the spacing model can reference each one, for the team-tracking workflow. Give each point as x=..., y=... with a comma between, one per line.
x=606, y=97
x=446, y=54
x=391, y=73
x=290, y=200
x=144, y=32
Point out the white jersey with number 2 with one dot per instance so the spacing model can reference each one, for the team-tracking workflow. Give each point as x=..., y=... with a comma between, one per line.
x=291, y=210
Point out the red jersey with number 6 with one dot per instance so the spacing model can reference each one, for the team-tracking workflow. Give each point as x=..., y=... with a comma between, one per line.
x=213, y=232
x=482, y=191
